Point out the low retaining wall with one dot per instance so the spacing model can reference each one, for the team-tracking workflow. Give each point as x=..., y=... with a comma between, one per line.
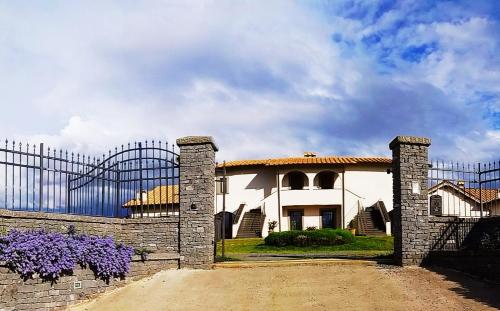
x=436, y=223
x=33, y=294
x=156, y=234
x=480, y=252
x=159, y=235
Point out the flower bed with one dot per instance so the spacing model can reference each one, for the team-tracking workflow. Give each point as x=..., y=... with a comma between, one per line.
x=308, y=238
x=51, y=255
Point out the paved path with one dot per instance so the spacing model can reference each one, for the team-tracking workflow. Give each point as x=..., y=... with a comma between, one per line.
x=316, y=286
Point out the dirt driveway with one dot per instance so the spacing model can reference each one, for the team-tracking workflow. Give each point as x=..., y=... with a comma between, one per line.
x=305, y=287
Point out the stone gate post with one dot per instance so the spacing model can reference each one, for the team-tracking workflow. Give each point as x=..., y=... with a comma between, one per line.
x=409, y=176
x=197, y=187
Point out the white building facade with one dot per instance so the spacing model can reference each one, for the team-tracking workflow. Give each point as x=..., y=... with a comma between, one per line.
x=301, y=192
x=454, y=199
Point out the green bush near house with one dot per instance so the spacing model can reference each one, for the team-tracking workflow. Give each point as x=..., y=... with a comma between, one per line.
x=309, y=238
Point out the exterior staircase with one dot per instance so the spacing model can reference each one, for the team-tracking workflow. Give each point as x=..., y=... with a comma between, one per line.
x=370, y=221
x=251, y=224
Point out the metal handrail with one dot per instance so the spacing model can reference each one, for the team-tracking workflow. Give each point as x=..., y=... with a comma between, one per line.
x=383, y=212
x=360, y=219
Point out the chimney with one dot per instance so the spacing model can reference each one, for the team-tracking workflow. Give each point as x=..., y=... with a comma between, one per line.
x=309, y=154
x=144, y=196
x=461, y=183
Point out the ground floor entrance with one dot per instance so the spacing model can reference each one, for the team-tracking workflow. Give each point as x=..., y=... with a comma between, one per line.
x=226, y=222
x=301, y=217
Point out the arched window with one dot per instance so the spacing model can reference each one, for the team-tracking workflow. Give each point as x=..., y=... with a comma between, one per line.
x=325, y=180
x=295, y=180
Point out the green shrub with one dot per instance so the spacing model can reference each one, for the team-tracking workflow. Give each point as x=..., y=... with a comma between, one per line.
x=309, y=238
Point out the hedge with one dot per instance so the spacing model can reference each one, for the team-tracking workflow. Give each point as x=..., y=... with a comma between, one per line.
x=309, y=238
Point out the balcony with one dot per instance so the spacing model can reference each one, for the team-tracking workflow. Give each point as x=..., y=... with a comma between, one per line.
x=311, y=197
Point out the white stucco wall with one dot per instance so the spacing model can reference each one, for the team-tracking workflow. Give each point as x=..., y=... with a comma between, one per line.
x=456, y=204
x=366, y=184
x=246, y=186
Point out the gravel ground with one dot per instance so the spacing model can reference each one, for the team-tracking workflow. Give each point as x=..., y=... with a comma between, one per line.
x=315, y=287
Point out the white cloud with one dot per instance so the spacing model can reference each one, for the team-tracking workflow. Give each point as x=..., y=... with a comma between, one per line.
x=265, y=79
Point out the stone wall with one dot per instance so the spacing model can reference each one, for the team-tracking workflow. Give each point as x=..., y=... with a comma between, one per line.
x=33, y=294
x=438, y=223
x=479, y=251
x=409, y=173
x=155, y=234
x=159, y=235
x=197, y=187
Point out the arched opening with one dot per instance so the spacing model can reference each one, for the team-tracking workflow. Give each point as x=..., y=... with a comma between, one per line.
x=295, y=180
x=325, y=180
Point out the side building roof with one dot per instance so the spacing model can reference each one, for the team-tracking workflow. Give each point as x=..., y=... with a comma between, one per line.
x=160, y=195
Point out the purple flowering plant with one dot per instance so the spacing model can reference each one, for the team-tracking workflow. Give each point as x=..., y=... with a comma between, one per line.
x=51, y=255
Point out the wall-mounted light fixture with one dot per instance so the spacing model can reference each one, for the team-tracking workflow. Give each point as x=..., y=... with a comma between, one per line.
x=193, y=207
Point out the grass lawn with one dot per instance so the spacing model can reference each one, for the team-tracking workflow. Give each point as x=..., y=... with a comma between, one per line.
x=362, y=246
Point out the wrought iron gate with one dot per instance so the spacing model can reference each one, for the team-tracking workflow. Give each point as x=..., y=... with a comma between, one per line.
x=464, y=189
x=136, y=180
x=468, y=193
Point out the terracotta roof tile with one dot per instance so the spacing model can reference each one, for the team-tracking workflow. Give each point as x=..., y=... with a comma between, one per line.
x=486, y=195
x=158, y=195
x=309, y=160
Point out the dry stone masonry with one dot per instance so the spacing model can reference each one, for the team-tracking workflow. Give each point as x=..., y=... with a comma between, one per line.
x=409, y=173
x=159, y=235
x=197, y=184
x=34, y=294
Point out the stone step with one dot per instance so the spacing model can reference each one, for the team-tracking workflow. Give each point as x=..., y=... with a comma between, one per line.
x=251, y=225
x=369, y=226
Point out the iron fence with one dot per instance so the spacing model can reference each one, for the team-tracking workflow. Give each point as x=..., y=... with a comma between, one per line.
x=464, y=189
x=135, y=180
x=453, y=234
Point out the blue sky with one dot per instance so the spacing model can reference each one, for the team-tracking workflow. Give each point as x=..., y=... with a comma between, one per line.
x=265, y=78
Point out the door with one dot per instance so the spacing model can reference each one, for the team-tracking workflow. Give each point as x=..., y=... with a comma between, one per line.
x=295, y=219
x=328, y=218
x=228, y=230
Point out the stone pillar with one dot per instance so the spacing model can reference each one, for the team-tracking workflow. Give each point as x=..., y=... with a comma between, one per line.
x=409, y=175
x=197, y=187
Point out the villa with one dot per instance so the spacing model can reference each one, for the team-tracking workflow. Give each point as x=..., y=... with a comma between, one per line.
x=304, y=192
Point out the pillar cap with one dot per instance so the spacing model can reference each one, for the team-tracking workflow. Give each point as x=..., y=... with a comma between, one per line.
x=197, y=140
x=409, y=140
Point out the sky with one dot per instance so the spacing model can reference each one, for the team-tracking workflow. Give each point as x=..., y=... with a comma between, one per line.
x=264, y=78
